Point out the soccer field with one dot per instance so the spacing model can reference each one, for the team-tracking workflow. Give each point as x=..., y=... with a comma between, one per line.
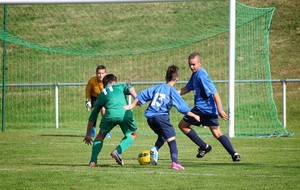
x=58, y=159
x=35, y=155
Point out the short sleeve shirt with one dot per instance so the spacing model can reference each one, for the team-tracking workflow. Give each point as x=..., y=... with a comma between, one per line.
x=204, y=89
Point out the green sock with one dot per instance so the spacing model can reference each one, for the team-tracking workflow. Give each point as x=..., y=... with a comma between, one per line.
x=125, y=144
x=97, y=146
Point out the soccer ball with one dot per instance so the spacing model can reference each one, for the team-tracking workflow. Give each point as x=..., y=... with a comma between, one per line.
x=144, y=157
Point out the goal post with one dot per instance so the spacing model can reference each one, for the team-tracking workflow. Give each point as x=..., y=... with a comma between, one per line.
x=231, y=69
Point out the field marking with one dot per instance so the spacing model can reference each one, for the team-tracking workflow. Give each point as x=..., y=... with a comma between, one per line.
x=172, y=172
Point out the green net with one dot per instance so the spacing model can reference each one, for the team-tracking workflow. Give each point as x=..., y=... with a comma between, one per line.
x=56, y=48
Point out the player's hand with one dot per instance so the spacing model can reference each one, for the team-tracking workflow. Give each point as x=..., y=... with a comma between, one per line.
x=223, y=115
x=139, y=104
x=127, y=107
x=197, y=117
x=88, y=140
x=88, y=105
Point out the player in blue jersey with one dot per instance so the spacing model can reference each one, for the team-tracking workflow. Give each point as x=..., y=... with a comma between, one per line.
x=112, y=98
x=208, y=106
x=162, y=97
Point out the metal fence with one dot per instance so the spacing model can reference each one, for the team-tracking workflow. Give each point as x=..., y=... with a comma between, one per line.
x=57, y=85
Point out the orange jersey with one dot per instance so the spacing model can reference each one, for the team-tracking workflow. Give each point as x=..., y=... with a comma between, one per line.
x=93, y=88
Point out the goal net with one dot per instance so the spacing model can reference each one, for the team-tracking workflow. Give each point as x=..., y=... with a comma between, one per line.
x=49, y=47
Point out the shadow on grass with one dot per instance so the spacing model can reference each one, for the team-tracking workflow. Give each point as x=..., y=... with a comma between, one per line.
x=61, y=135
x=205, y=164
x=76, y=165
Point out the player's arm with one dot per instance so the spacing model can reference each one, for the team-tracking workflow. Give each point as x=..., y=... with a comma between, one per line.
x=183, y=91
x=139, y=99
x=182, y=106
x=132, y=105
x=132, y=92
x=87, y=139
x=88, y=90
x=196, y=117
x=218, y=102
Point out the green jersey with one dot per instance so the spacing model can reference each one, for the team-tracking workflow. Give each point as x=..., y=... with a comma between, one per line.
x=112, y=98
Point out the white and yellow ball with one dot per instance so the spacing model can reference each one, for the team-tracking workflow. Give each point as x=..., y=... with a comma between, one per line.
x=144, y=157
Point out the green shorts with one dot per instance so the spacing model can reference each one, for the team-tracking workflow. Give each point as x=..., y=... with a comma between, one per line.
x=126, y=123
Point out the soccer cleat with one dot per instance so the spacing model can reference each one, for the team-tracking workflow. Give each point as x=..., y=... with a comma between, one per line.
x=236, y=157
x=202, y=152
x=93, y=132
x=176, y=166
x=93, y=164
x=115, y=155
x=153, y=156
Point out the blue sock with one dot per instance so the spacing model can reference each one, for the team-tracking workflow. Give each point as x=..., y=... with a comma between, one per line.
x=93, y=132
x=196, y=139
x=173, y=151
x=227, y=144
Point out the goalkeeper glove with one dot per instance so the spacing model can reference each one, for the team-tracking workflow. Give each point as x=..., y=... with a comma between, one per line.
x=88, y=105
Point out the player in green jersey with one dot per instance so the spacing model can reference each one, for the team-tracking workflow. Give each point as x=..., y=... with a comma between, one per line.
x=112, y=98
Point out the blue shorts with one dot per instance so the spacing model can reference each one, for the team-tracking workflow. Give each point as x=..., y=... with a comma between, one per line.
x=162, y=126
x=205, y=120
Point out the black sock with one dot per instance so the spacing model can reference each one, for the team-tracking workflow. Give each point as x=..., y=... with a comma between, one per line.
x=227, y=144
x=196, y=139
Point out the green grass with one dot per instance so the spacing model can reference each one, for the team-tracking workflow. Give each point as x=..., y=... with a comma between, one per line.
x=57, y=159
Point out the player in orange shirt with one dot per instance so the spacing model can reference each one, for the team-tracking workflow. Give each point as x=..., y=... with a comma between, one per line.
x=93, y=89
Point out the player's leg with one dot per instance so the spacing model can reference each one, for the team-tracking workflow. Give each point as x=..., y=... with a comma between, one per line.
x=174, y=154
x=125, y=143
x=96, y=149
x=193, y=136
x=154, y=125
x=166, y=131
x=129, y=129
x=105, y=127
x=216, y=131
x=173, y=149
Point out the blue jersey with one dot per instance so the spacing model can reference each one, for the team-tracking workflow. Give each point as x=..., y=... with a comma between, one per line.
x=162, y=97
x=204, y=89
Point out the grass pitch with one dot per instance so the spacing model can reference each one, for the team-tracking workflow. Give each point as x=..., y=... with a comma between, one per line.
x=58, y=159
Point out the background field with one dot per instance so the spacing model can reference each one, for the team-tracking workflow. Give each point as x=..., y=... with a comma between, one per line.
x=39, y=158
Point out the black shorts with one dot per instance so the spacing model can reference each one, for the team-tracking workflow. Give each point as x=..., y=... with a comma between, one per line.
x=205, y=120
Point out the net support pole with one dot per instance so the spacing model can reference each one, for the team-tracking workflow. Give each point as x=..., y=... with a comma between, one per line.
x=232, y=17
x=56, y=106
x=284, y=103
x=4, y=68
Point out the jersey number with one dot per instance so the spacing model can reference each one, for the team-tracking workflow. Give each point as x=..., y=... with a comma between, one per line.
x=110, y=89
x=158, y=99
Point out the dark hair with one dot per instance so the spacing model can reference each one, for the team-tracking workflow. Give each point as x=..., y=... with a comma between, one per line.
x=100, y=67
x=172, y=73
x=195, y=54
x=108, y=79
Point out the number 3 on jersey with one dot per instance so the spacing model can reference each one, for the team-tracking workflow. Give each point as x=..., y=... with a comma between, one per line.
x=158, y=99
